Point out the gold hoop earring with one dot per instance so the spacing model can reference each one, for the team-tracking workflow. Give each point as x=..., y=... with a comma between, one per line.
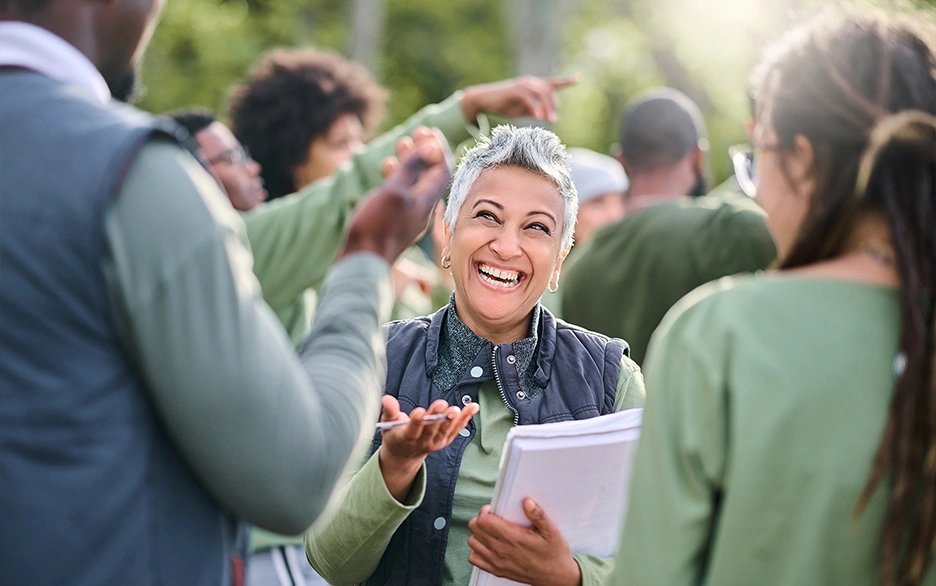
x=446, y=261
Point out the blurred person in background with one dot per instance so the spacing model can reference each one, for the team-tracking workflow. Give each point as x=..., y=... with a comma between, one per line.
x=411, y=513
x=601, y=183
x=667, y=244
x=228, y=160
x=302, y=113
x=790, y=434
x=131, y=318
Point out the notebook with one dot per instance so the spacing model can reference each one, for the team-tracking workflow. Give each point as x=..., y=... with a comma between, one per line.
x=577, y=471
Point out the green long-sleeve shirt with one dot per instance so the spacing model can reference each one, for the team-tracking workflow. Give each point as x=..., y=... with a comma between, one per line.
x=348, y=542
x=767, y=400
x=631, y=273
x=267, y=433
x=295, y=239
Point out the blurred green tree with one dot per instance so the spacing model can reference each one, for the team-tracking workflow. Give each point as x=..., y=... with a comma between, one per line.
x=426, y=49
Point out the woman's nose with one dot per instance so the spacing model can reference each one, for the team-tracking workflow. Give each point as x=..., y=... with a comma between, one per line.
x=506, y=245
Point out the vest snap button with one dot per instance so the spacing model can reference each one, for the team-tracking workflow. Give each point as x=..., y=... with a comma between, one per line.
x=464, y=432
x=466, y=399
x=511, y=359
x=439, y=523
x=477, y=371
x=521, y=394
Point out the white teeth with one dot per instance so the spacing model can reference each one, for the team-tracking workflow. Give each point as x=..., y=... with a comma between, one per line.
x=488, y=279
x=506, y=279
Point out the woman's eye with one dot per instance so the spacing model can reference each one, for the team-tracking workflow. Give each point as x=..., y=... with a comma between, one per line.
x=538, y=226
x=486, y=215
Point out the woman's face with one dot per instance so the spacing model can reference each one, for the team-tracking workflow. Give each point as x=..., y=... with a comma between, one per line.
x=785, y=184
x=328, y=151
x=504, y=250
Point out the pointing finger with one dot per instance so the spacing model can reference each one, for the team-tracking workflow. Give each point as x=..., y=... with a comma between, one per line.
x=558, y=82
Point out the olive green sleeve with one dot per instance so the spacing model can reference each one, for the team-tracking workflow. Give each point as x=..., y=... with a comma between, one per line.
x=631, y=392
x=266, y=432
x=295, y=239
x=346, y=544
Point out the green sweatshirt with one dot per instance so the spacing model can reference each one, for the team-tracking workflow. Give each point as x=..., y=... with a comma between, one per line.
x=768, y=397
x=629, y=275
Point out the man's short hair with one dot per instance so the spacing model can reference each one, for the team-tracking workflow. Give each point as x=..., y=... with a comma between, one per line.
x=193, y=119
x=292, y=97
x=659, y=128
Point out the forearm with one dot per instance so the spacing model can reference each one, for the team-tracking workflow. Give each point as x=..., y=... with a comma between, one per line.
x=259, y=431
x=346, y=544
x=398, y=474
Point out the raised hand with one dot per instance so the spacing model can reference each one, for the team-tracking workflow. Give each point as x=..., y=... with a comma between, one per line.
x=392, y=215
x=405, y=448
x=537, y=555
x=522, y=96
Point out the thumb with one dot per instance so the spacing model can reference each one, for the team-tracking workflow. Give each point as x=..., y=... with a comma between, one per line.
x=391, y=407
x=537, y=516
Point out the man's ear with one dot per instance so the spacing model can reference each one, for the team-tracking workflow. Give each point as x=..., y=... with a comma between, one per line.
x=698, y=160
x=623, y=161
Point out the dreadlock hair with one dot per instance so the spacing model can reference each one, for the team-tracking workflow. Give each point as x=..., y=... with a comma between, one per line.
x=862, y=90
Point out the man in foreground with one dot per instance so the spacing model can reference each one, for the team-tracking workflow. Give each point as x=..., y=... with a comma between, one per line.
x=150, y=400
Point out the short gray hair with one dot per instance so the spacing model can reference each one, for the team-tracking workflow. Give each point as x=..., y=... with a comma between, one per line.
x=531, y=148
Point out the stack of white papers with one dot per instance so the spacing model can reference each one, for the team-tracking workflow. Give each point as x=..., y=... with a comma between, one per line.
x=577, y=471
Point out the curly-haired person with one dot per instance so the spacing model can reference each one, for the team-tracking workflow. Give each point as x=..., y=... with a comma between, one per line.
x=303, y=112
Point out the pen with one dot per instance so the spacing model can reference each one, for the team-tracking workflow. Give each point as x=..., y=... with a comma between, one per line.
x=381, y=425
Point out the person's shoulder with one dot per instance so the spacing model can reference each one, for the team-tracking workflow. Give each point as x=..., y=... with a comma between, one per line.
x=720, y=303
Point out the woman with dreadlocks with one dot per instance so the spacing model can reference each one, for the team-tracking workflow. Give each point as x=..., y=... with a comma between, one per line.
x=790, y=430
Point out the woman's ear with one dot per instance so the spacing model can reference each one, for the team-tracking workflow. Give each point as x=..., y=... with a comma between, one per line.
x=800, y=165
x=558, y=266
x=445, y=258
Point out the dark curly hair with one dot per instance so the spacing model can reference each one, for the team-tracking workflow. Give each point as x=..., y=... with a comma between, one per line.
x=290, y=98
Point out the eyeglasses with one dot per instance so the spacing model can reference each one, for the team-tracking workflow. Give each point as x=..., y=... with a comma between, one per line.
x=745, y=167
x=237, y=156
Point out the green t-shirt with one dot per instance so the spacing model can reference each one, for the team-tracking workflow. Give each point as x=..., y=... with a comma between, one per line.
x=348, y=541
x=629, y=275
x=768, y=398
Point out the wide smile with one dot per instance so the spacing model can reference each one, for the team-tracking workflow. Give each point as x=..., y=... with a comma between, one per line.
x=502, y=279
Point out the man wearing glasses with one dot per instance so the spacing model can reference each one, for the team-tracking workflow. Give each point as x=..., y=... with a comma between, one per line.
x=228, y=159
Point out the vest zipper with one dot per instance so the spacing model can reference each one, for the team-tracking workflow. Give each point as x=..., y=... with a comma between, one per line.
x=500, y=387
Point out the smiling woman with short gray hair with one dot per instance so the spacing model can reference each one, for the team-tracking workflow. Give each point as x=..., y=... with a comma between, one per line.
x=416, y=512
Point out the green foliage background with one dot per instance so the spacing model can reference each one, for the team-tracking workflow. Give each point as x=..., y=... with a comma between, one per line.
x=430, y=48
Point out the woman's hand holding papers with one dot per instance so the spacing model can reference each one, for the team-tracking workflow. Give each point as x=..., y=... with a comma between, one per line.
x=537, y=555
x=406, y=447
